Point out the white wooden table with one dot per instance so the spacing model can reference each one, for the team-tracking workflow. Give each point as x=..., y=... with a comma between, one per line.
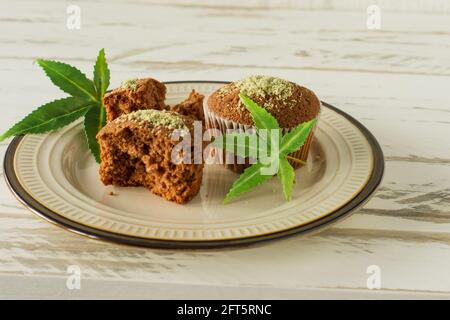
x=395, y=80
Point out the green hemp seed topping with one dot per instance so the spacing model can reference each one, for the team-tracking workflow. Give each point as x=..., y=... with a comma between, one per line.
x=265, y=86
x=130, y=84
x=155, y=118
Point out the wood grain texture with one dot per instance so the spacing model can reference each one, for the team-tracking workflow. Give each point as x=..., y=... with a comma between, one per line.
x=394, y=80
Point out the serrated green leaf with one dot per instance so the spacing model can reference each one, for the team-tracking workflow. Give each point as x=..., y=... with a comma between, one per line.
x=286, y=175
x=101, y=75
x=288, y=143
x=250, y=178
x=94, y=121
x=262, y=118
x=241, y=144
x=294, y=139
x=69, y=79
x=50, y=116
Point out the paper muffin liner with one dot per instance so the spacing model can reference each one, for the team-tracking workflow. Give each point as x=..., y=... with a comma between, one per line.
x=235, y=163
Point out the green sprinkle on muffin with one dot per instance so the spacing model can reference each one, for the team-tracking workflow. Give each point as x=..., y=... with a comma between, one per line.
x=155, y=118
x=265, y=86
x=130, y=84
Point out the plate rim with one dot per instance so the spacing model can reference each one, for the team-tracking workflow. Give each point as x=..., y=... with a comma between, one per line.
x=340, y=213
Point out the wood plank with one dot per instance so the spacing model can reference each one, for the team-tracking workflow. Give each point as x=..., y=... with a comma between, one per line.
x=54, y=288
x=420, y=6
x=211, y=37
x=395, y=81
x=331, y=260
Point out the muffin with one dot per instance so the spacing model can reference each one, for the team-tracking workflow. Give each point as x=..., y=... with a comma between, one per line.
x=288, y=102
x=192, y=106
x=133, y=95
x=136, y=150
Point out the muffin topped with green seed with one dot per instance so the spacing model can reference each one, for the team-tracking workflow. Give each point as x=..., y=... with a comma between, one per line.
x=137, y=149
x=133, y=95
x=288, y=102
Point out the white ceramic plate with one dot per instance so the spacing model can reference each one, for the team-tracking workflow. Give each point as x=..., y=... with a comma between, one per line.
x=56, y=177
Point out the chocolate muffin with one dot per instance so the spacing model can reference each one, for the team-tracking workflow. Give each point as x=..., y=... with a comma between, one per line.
x=288, y=102
x=133, y=95
x=136, y=150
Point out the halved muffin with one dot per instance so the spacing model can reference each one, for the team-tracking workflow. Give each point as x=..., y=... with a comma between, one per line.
x=192, y=106
x=133, y=95
x=137, y=150
x=148, y=93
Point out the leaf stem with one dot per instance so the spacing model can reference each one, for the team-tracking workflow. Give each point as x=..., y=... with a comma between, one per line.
x=296, y=160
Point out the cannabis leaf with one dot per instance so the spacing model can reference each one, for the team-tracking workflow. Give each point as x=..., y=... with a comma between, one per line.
x=50, y=116
x=68, y=78
x=241, y=144
x=294, y=139
x=262, y=118
x=248, y=180
x=286, y=175
x=244, y=145
x=101, y=74
x=94, y=121
x=86, y=100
